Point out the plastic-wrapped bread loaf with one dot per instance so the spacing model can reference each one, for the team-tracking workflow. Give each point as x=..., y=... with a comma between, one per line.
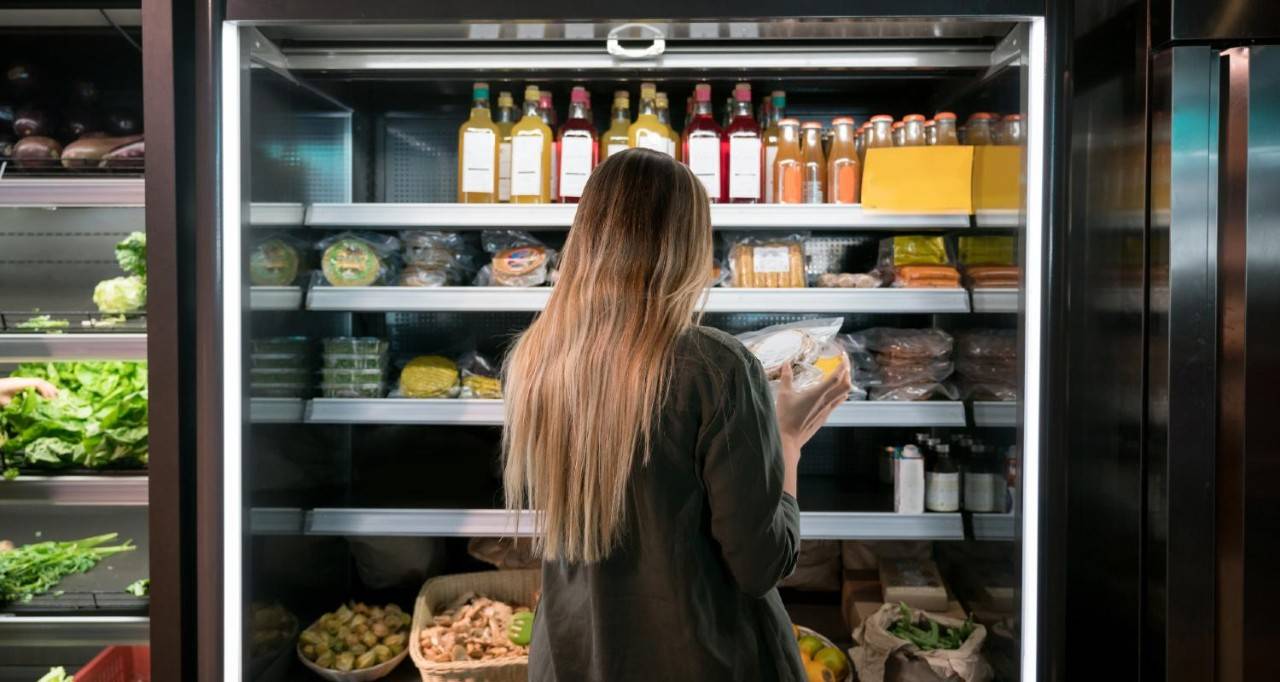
x=774, y=264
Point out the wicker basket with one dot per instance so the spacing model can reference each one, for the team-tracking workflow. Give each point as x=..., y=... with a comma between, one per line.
x=513, y=587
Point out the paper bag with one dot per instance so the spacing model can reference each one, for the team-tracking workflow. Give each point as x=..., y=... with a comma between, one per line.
x=880, y=657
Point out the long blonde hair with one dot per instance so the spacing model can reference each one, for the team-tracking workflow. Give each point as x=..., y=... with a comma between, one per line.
x=585, y=382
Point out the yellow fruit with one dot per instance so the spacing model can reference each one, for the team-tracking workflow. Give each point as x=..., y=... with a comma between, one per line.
x=816, y=672
x=833, y=659
x=810, y=645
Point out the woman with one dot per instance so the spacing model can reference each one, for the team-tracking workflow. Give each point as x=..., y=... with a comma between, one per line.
x=663, y=478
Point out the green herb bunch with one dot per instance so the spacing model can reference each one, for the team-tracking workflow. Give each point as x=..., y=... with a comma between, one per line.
x=931, y=637
x=34, y=569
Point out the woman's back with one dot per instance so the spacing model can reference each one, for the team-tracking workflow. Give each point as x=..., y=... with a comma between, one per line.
x=689, y=592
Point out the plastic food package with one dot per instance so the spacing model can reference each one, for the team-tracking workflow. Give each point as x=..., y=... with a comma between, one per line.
x=333, y=376
x=370, y=390
x=354, y=361
x=518, y=258
x=281, y=344
x=434, y=259
x=291, y=375
x=802, y=345
x=994, y=276
x=916, y=261
x=771, y=263
x=279, y=361
x=987, y=363
x=275, y=261
x=356, y=345
x=850, y=280
x=294, y=390
x=479, y=377
x=429, y=376
x=985, y=250
x=351, y=259
x=901, y=364
x=926, y=277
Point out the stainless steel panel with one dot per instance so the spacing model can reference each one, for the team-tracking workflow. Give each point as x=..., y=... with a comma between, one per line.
x=39, y=347
x=93, y=491
x=74, y=631
x=1201, y=20
x=67, y=192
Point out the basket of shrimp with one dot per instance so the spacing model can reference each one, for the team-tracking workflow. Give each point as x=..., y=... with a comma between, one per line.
x=475, y=627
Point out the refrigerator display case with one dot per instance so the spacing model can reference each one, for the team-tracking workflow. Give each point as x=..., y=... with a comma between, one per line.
x=58, y=231
x=327, y=127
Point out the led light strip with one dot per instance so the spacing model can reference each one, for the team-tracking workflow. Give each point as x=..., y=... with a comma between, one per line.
x=1030, y=472
x=232, y=521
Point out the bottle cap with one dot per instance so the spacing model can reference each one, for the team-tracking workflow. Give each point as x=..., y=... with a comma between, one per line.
x=647, y=90
x=621, y=94
x=881, y=117
x=702, y=92
x=505, y=100
x=579, y=95
x=897, y=124
x=661, y=100
x=982, y=116
x=531, y=93
x=544, y=98
x=910, y=452
x=929, y=123
x=742, y=92
x=789, y=122
x=811, y=125
x=913, y=118
x=944, y=116
x=842, y=121
x=480, y=91
x=779, y=98
x=1013, y=117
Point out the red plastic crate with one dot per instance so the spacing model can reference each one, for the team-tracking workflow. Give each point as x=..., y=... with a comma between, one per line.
x=118, y=664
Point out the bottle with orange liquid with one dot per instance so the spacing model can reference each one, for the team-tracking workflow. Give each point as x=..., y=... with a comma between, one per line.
x=478, y=152
x=788, y=187
x=577, y=148
x=844, y=172
x=944, y=124
x=769, y=138
x=913, y=131
x=978, y=129
x=813, y=163
x=614, y=139
x=531, y=145
x=742, y=180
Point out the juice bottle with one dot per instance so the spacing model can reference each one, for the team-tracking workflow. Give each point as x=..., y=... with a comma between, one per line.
x=844, y=173
x=648, y=132
x=769, y=138
x=478, y=152
x=506, y=121
x=813, y=163
x=703, y=142
x=1011, y=130
x=930, y=132
x=743, y=180
x=664, y=115
x=944, y=124
x=880, y=134
x=547, y=112
x=860, y=142
x=614, y=139
x=578, y=148
x=727, y=116
x=787, y=185
x=978, y=129
x=913, y=131
x=899, y=136
x=531, y=154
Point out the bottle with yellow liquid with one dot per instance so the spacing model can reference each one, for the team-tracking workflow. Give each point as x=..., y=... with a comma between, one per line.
x=478, y=152
x=664, y=115
x=614, y=139
x=531, y=154
x=769, y=139
x=648, y=132
x=506, y=120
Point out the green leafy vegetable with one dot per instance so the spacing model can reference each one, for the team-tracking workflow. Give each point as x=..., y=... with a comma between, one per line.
x=34, y=569
x=929, y=638
x=131, y=254
x=58, y=674
x=120, y=295
x=44, y=323
x=97, y=421
x=139, y=588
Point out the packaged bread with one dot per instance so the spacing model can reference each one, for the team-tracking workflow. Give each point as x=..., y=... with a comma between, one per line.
x=479, y=377
x=768, y=263
x=429, y=376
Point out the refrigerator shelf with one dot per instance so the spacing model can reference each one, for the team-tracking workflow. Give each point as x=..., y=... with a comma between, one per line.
x=995, y=413
x=276, y=410
x=96, y=491
x=74, y=191
x=994, y=526
x=73, y=631
x=997, y=218
x=277, y=214
x=500, y=523
x=490, y=412
x=275, y=298
x=807, y=300
x=995, y=300
x=72, y=346
x=740, y=216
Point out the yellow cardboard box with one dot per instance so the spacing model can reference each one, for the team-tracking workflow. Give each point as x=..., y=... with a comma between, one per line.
x=997, y=178
x=919, y=179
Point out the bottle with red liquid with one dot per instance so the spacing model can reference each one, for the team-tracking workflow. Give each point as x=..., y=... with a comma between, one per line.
x=704, y=143
x=577, y=148
x=741, y=184
x=547, y=111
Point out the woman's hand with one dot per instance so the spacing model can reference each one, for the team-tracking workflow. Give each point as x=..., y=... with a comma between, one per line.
x=802, y=413
x=12, y=386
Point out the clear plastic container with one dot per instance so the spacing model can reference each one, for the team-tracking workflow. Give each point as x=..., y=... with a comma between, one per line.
x=355, y=361
x=291, y=390
x=280, y=361
x=281, y=344
x=370, y=390
x=334, y=376
x=354, y=344
x=284, y=375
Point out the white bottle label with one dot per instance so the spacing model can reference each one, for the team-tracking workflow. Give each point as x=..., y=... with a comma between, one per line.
x=942, y=492
x=477, y=160
x=671, y=148
x=704, y=161
x=526, y=165
x=744, y=168
x=555, y=171
x=575, y=164
x=504, y=171
x=648, y=139
x=615, y=148
x=770, y=153
x=771, y=259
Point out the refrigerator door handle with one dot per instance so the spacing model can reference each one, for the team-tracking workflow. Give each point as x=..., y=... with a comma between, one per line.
x=646, y=31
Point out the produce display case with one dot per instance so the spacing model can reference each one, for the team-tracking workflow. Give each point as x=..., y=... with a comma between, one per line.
x=331, y=126
x=58, y=230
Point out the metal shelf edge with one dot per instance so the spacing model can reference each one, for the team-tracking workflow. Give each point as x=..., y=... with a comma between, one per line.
x=275, y=298
x=275, y=214
x=67, y=631
x=995, y=526
x=995, y=413
x=995, y=300
x=72, y=346
x=276, y=410
x=71, y=192
x=98, y=491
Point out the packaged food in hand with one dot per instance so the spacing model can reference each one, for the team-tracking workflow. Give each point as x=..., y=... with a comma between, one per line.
x=805, y=346
x=429, y=376
x=274, y=262
x=480, y=378
x=351, y=259
x=772, y=263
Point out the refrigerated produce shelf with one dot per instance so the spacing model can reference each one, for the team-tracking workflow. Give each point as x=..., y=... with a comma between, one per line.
x=995, y=300
x=97, y=491
x=740, y=216
x=490, y=412
x=58, y=192
x=275, y=298
x=72, y=346
x=71, y=631
x=995, y=413
x=276, y=410
x=807, y=300
x=994, y=526
x=501, y=523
